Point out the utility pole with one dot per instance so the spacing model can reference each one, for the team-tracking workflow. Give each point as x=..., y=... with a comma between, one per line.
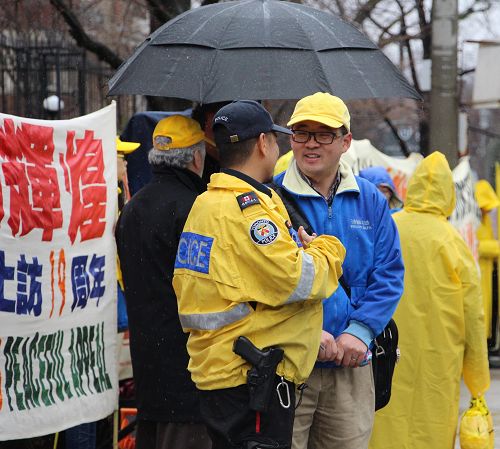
x=444, y=91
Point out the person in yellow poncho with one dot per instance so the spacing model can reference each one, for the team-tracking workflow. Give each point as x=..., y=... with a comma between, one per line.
x=440, y=320
x=489, y=248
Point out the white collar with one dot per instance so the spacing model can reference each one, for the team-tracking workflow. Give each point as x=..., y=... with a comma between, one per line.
x=294, y=182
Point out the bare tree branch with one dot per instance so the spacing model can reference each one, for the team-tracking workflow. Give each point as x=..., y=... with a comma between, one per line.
x=156, y=9
x=127, y=8
x=471, y=10
x=466, y=71
x=402, y=144
x=398, y=38
x=384, y=29
x=365, y=11
x=341, y=8
x=425, y=29
x=409, y=51
x=83, y=39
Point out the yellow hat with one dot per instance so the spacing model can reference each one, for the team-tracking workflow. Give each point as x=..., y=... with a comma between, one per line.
x=323, y=108
x=178, y=131
x=126, y=147
x=486, y=197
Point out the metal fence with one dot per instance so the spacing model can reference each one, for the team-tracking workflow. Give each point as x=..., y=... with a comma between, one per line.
x=35, y=67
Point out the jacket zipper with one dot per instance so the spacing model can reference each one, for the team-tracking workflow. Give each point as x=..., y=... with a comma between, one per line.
x=330, y=217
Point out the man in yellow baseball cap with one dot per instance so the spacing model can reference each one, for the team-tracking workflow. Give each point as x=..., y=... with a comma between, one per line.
x=178, y=131
x=338, y=203
x=322, y=108
x=147, y=235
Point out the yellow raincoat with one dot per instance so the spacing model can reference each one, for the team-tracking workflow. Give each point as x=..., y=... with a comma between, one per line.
x=283, y=163
x=239, y=272
x=440, y=320
x=489, y=248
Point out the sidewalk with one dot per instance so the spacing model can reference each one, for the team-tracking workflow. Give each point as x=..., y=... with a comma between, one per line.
x=493, y=401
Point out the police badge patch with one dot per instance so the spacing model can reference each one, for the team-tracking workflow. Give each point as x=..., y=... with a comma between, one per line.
x=263, y=232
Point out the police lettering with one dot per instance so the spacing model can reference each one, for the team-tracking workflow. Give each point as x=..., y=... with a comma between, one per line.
x=194, y=252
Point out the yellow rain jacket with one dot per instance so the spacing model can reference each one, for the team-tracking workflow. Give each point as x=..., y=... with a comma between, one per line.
x=489, y=249
x=239, y=272
x=283, y=162
x=440, y=320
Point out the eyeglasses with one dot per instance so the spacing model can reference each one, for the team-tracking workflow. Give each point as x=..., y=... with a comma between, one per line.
x=321, y=137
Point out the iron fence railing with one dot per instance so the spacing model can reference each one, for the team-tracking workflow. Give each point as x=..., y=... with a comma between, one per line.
x=33, y=68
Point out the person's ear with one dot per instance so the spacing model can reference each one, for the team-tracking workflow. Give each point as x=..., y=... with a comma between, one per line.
x=346, y=142
x=262, y=145
x=198, y=161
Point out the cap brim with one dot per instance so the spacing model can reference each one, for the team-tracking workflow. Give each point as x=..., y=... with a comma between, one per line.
x=328, y=121
x=281, y=129
x=127, y=147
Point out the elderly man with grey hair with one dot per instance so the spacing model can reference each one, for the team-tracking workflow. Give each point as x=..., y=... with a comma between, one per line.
x=147, y=236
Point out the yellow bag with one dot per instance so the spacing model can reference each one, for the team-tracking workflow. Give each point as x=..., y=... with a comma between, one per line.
x=476, y=426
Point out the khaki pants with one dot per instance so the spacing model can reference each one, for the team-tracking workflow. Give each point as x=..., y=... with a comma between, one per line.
x=337, y=410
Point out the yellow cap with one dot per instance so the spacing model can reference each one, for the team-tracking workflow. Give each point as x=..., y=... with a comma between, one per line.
x=126, y=147
x=178, y=131
x=323, y=108
x=486, y=197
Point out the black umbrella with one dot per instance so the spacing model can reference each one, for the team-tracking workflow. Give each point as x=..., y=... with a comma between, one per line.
x=258, y=49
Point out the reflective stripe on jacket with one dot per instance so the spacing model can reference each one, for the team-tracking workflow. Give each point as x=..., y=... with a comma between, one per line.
x=240, y=272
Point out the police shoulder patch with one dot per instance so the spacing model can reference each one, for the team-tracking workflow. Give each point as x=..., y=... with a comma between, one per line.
x=263, y=231
x=247, y=199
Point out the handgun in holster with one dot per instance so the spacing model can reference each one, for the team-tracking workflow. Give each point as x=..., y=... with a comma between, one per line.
x=261, y=377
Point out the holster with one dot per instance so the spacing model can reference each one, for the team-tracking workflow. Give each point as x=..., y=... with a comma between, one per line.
x=261, y=377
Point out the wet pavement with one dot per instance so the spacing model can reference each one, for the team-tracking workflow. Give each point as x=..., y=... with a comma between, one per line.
x=493, y=401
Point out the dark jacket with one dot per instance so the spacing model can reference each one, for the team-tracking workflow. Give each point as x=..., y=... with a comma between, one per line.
x=147, y=236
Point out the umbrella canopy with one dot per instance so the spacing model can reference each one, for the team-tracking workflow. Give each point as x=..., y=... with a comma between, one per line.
x=258, y=49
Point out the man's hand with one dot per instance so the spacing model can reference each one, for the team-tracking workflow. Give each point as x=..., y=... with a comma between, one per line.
x=353, y=350
x=329, y=350
x=304, y=237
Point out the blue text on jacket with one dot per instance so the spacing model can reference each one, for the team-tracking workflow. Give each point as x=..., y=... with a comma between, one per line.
x=194, y=252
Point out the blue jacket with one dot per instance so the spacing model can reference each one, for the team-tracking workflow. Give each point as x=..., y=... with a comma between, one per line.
x=373, y=267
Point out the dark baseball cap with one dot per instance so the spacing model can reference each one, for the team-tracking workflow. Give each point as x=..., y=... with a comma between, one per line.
x=243, y=120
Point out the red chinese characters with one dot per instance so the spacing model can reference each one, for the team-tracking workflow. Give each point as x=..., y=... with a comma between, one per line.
x=31, y=164
x=31, y=177
x=87, y=186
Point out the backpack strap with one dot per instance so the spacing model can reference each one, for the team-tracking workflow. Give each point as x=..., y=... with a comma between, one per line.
x=344, y=285
x=297, y=217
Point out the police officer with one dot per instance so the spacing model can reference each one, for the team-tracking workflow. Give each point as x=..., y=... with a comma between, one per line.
x=241, y=270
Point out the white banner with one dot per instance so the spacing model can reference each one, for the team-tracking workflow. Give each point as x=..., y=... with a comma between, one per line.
x=363, y=154
x=465, y=217
x=58, y=201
